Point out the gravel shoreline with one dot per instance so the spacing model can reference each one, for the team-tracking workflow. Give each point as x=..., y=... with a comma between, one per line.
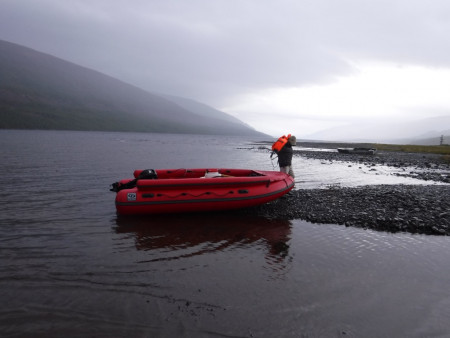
x=423, y=209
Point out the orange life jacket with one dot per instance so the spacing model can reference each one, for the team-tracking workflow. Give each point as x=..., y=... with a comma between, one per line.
x=278, y=144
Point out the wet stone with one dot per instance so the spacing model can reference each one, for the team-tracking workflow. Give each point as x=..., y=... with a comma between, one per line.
x=393, y=208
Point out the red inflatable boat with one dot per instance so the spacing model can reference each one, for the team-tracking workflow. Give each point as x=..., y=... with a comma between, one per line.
x=188, y=190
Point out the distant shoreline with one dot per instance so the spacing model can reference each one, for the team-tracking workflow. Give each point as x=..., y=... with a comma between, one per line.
x=436, y=149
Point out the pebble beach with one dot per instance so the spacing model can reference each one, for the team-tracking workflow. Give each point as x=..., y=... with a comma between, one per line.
x=421, y=208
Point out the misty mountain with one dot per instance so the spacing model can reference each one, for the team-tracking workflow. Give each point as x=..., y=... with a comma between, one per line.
x=423, y=131
x=203, y=109
x=39, y=91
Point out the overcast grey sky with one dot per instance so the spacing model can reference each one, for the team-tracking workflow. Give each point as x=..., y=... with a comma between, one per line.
x=284, y=66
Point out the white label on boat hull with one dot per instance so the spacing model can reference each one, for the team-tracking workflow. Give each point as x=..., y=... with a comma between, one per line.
x=131, y=196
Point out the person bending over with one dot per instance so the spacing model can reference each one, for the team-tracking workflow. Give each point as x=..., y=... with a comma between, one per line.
x=285, y=156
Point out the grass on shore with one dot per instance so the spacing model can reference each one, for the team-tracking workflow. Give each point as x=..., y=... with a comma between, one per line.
x=410, y=148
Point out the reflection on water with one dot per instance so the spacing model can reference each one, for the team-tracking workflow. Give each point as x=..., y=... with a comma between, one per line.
x=315, y=173
x=172, y=237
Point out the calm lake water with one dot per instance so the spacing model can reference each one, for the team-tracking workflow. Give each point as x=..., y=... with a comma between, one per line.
x=71, y=268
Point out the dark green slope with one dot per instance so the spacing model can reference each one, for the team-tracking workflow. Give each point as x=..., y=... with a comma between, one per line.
x=39, y=91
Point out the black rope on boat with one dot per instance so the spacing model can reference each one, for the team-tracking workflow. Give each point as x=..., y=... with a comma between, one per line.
x=193, y=195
